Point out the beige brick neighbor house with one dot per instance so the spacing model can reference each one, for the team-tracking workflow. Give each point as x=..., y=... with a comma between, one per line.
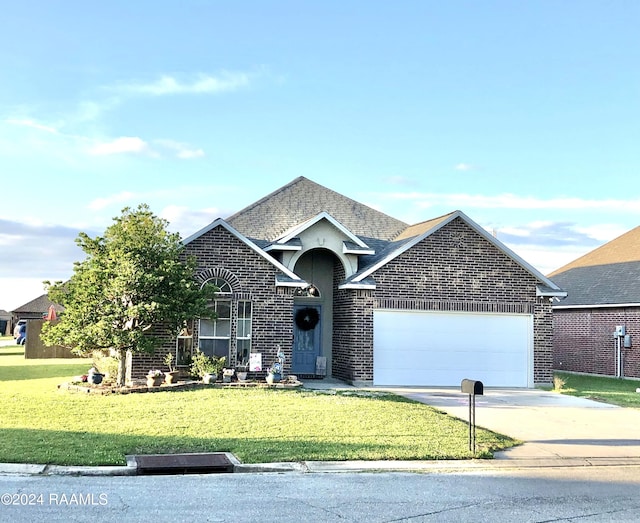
x=349, y=292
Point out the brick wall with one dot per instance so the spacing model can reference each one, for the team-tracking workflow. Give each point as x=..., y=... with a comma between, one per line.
x=219, y=253
x=453, y=269
x=583, y=340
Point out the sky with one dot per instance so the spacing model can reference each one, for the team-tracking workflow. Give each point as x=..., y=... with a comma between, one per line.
x=523, y=114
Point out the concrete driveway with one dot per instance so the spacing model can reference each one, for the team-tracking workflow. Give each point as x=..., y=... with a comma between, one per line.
x=551, y=425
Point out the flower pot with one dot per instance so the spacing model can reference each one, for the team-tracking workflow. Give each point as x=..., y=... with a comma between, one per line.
x=273, y=378
x=171, y=377
x=209, y=378
x=242, y=376
x=95, y=378
x=154, y=381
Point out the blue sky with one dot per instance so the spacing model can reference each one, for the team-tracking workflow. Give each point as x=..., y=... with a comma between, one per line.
x=525, y=115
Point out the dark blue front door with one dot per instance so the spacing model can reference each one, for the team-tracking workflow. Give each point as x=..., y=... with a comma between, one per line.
x=306, y=341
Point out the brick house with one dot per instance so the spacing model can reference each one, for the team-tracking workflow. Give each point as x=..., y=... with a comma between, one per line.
x=352, y=293
x=596, y=329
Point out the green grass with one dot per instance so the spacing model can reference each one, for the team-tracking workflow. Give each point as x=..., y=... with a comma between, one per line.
x=600, y=388
x=41, y=424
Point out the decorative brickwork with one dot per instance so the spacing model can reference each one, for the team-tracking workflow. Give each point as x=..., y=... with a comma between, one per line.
x=583, y=340
x=220, y=254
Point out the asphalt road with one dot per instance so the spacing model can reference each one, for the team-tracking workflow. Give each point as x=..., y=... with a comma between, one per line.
x=585, y=494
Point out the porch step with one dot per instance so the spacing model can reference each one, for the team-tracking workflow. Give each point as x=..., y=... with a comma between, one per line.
x=194, y=463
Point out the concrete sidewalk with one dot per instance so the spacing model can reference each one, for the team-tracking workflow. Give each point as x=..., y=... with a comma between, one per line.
x=552, y=425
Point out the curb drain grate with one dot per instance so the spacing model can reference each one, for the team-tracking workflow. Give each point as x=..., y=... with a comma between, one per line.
x=198, y=463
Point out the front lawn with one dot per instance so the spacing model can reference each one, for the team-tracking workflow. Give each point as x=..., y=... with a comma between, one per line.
x=41, y=424
x=601, y=388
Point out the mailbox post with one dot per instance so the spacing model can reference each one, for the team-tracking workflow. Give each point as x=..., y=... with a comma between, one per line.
x=472, y=388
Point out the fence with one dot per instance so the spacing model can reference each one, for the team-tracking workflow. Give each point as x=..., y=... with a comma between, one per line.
x=34, y=347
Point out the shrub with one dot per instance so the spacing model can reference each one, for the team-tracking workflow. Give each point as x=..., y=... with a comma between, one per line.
x=202, y=364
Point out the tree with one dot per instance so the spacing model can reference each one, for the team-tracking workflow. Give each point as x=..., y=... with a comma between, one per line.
x=134, y=286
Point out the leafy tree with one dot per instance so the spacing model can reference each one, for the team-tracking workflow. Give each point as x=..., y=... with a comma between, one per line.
x=134, y=287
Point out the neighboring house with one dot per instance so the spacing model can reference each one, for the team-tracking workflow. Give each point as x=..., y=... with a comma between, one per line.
x=601, y=313
x=36, y=309
x=351, y=292
x=5, y=323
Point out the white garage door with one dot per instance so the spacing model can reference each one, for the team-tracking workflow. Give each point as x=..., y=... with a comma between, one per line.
x=443, y=348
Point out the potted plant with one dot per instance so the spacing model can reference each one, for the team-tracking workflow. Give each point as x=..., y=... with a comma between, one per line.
x=172, y=375
x=154, y=378
x=241, y=371
x=274, y=373
x=94, y=376
x=206, y=368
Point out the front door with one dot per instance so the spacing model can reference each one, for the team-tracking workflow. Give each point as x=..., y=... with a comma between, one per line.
x=306, y=338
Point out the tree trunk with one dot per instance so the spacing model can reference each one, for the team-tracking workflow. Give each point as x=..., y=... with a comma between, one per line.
x=122, y=367
x=125, y=360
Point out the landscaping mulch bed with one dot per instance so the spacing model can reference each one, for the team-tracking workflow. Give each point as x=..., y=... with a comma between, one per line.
x=140, y=386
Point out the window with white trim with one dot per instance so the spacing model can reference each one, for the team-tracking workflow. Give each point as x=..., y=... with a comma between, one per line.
x=214, y=335
x=243, y=336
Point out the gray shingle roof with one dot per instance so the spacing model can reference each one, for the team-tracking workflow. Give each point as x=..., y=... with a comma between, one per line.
x=612, y=283
x=39, y=305
x=302, y=199
x=607, y=275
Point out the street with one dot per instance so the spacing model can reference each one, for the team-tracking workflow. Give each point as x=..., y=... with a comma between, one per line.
x=587, y=494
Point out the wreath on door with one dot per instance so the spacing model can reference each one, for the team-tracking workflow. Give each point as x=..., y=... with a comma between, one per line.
x=307, y=318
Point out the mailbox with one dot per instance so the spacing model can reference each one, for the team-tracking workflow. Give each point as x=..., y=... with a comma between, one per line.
x=472, y=387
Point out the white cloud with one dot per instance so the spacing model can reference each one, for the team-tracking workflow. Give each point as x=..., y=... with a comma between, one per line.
x=203, y=84
x=463, y=167
x=512, y=201
x=101, y=203
x=186, y=220
x=26, y=122
x=124, y=144
x=181, y=150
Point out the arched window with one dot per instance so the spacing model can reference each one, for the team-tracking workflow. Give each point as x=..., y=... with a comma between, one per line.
x=215, y=332
x=221, y=284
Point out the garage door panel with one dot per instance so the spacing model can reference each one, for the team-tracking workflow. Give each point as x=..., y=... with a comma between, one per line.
x=441, y=349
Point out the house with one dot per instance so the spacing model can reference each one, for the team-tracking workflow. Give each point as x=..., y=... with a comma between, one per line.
x=36, y=309
x=5, y=323
x=349, y=292
x=596, y=328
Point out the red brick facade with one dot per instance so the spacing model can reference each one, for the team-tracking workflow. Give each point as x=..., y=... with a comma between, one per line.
x=583, y=340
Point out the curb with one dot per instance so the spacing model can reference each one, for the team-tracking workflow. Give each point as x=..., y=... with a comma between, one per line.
x=320, y=467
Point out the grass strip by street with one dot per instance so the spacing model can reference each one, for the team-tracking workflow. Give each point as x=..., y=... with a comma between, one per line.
x=616, y=391
x=41, y=424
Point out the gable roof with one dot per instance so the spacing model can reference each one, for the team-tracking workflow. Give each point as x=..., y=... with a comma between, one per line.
x=291, y=235
x=606, y=276
x=38, y=305
x=289, y=277
x=300, y=200
x=416, y=233
x=623, y=249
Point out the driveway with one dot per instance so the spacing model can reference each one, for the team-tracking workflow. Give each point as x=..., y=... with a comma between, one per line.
x=551, y=425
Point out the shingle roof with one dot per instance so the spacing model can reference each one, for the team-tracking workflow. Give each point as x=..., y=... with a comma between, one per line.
x=302, y=199
x=607, y=275
x=625, y=248
x=612, y=283
x=39, y=305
